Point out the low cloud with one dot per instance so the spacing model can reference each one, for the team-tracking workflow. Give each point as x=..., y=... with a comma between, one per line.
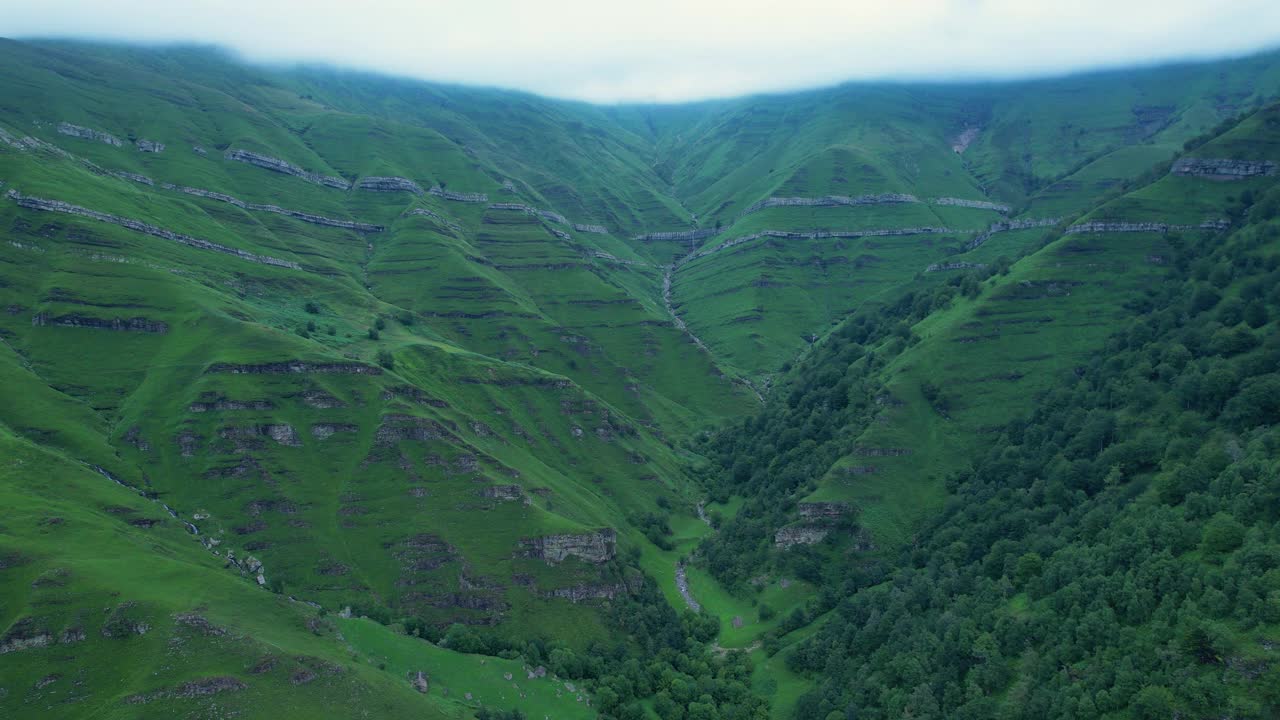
x=668, y=50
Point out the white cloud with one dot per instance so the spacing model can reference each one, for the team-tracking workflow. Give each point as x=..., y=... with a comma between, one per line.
x=671, y=50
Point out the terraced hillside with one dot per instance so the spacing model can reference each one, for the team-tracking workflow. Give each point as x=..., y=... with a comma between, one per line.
x=300, y=364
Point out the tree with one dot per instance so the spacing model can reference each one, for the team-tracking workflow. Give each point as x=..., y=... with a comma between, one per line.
x=1222, y=534
x=1153, y=703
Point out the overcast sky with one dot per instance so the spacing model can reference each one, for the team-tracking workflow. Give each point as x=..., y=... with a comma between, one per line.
x=674, y=50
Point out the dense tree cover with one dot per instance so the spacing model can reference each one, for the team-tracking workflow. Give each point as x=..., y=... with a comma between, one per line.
x=1115, y=554
x=828, y=399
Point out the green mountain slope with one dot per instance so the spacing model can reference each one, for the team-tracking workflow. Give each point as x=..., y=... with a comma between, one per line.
x=406, y=373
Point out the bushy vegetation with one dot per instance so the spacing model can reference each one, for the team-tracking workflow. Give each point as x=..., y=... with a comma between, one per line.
x=1115, y=553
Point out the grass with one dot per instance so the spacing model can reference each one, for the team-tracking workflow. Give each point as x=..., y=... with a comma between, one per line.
x=522, y=358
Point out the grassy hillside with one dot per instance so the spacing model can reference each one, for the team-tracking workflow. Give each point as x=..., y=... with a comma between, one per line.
x=394, y=377
x=1057, y=408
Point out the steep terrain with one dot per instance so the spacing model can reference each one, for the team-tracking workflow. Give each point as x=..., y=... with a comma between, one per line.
x=303, y=367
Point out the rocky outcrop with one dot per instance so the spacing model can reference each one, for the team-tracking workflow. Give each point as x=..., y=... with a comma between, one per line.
x=823, y=510
x=191, y=689
x=831, y=201
x=862, y=451
x=396, y=428
x=595, y=229
x=1008, y=225
x=816, y=235
x=593, y=547
x=961, y=141
x=281, y=166
x=296, y=214
x=519, y=207
x=389, y=184
x=25, y=634
x=975, y=204
x=799, y=535
x=79, y=131
x=199, y=150
x=150, y=146
x=940, y=267
x=420, y=681
x=1223, y=169
x=414, y=394
x=324, y=431
x=282, y=433
x=134, y=324
x=32, y=203
x=434, y=216
x=458, y=196
x=1107, y=226
x=135, y=177
x=505, y=493
x=587, y=591
x=222, y=404
x=295, y=367
x=677, y=236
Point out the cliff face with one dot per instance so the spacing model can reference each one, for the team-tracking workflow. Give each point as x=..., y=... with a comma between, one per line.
x=134, y=324
x=593, y=547
x=32, y=203
x=1223, y=169
x=277, y=165
x=389, y=184
x=85, y=133
x=459, y=196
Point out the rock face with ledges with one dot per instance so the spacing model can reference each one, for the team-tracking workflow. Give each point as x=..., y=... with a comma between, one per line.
x=295, y=367
x=33, y=203
x=832, y=201
x=1109, y=226
x=1223, y=169
x=134, y=324
x=281, y=166
x=150, y=146
x=593, y=547
x=799, y=535
x=85, y=133
x=389, y=184
x=823, y=510
x=459, y=196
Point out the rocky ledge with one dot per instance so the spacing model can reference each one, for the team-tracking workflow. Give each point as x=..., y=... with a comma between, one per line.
x=282, y=433
x=395, y=428
x=458, y=196
x=520, y=207
x=135, y=324
x=150, y=146
x=32, y=203
x=940, y=267
x=594, y=547
x=824, y=510
x=85, y=133
x=277, y=165
x=1007, y=226
x=1223, y=169
x=423, y=212
x=800, y=535
x=295, y=367
x=832, y=201
x=677, y=236
x=295, y=214
x=389, y=184
x=1106, y=226
x=975, y=204
x=596, y=229
x=817, y=235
